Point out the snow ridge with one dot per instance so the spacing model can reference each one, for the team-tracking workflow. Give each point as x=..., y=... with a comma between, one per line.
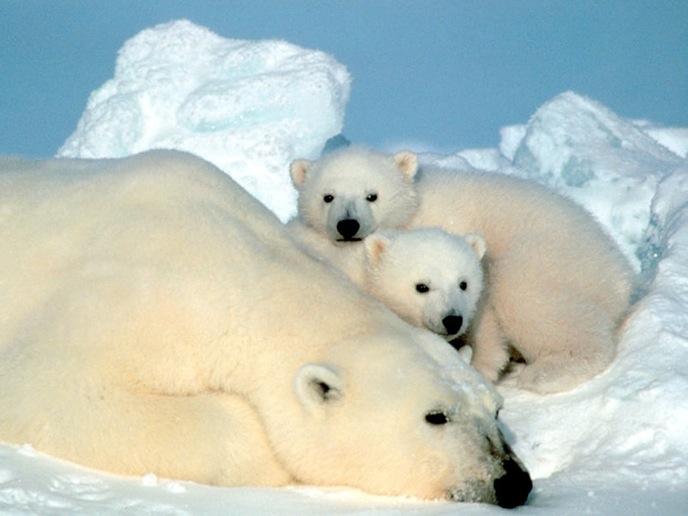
x=248, y=107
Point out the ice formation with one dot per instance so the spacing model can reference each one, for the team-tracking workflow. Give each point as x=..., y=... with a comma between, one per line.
x=249, y=107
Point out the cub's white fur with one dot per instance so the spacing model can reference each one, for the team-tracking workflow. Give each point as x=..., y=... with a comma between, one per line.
x=557, y=286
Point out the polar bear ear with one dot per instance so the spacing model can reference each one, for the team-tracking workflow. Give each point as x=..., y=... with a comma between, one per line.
x=375, y=246
x=318, y=386
x=297, y=170
x=477, y=243
x=407, y=162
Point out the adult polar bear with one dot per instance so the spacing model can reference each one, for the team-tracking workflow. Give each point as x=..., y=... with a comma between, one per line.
x=155, y=317
x=557, y=285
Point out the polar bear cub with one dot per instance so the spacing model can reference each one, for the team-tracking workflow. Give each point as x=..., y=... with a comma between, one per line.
x=341, y=201
x=428, y=277
x=557, y=285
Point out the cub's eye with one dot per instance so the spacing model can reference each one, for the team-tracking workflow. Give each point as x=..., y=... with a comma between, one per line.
x=422, y=288
x=436, y=418
x=328, y=198
x=463, y=285
x=371, y=197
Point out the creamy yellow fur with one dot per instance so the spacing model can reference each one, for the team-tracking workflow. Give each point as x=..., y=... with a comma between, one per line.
x=557, y=286
x=156, y=318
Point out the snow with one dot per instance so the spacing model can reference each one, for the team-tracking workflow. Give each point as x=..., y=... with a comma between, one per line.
x=617, y=444
x=252, y=107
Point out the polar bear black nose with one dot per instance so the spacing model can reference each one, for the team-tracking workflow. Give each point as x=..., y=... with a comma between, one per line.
x=512, y=488
x=348, y=228
x=452, y=323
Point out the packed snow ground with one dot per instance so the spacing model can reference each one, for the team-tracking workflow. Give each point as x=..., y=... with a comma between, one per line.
x=617, y=444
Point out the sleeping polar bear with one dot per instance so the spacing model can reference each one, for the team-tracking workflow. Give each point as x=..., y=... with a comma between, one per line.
x=157, y=318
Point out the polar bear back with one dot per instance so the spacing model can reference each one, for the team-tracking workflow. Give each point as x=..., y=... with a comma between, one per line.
x=145, y=207
x=169, y=217
x=510, y=213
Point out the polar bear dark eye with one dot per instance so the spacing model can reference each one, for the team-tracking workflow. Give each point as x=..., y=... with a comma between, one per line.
x=422, y=288
x=463, y=285
x=436, y=418
x=371, y=197
x=328, y=198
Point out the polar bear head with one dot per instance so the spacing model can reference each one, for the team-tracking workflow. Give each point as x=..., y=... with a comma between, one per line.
x=397, y=419
x=345, y=196
x=430, y=278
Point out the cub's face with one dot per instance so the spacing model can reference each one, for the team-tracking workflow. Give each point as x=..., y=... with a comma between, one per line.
x=430, y=278
x=349, y=194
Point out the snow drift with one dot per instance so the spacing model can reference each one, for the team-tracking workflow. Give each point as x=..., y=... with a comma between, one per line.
x=250, y=107
x=618, y=443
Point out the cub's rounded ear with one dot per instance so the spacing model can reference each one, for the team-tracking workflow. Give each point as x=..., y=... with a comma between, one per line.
x=318, y=387
x=407, y=162
x=297, y=170
x=477, y=243
x=375, y=246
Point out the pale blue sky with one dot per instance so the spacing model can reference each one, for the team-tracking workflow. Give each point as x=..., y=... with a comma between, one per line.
x=445, y=74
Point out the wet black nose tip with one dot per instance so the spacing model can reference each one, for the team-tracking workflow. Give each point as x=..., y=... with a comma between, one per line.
x=512, y=488
x=452, y=323
x=348, y=228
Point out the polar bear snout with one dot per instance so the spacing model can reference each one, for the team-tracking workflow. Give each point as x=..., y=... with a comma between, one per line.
x=509, y=490
x=448, y=324
x=452, y=323
x=512, y=488
x=349, y=219
x=507, y=485
x=348, y=228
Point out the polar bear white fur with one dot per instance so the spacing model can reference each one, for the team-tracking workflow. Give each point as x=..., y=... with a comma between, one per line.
x=340, y=201
x=156, y=318
x=428, y=277
x=557, y=285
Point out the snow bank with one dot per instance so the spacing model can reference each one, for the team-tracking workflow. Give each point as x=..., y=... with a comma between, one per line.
x=618, y=444
x=601, y=160
x=249, y=107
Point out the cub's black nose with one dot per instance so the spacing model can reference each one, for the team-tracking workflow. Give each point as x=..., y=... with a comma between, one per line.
x=512, y=488
x=452, y=323
x=348, y=228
